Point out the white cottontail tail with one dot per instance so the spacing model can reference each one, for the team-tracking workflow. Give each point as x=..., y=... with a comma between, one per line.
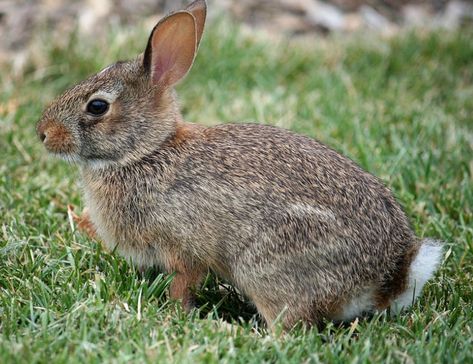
x=300, y=229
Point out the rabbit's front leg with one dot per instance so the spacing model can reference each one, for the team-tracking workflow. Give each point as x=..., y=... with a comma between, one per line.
x=187, y=278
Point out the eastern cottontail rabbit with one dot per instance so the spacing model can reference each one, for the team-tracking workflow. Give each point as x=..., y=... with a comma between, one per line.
x=300, y=229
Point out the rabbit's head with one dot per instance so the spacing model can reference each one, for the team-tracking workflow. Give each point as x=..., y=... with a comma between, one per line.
x=129, y=108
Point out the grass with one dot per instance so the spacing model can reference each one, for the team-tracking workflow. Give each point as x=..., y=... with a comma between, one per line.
x=402, y=108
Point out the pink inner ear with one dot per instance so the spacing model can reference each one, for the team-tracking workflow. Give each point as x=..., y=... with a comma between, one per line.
x=162, y=65
x=164, y=55
x=173, y=48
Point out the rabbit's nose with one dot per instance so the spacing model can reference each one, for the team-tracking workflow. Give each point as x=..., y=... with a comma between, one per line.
x=45, y=130
x=41, y=130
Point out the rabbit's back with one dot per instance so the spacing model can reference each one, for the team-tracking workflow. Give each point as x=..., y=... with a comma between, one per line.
x=293, y=196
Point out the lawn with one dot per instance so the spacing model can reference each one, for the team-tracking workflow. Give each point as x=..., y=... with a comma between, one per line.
x=401, y=107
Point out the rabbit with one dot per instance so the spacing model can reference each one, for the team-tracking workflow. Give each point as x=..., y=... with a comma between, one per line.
x=302, y=231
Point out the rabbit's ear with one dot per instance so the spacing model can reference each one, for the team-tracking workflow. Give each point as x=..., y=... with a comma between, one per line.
x=198, y=8
x=171, y=49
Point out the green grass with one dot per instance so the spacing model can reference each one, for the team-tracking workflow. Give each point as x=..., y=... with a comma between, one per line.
x=402, y=108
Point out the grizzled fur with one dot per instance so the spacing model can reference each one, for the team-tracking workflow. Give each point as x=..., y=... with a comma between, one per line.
x=297, y=227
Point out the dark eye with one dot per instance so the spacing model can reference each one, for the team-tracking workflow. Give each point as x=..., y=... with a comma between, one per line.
x=97, y=107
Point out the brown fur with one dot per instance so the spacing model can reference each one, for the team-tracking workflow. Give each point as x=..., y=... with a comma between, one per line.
x=55, y=136
x=184, y=133
x=297, y=227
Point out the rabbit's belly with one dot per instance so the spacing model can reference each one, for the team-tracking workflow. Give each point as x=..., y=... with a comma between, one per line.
x=139, y=251
x=118, y=233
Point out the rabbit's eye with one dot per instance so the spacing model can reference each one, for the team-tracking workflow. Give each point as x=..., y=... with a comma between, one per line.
x=97, y=107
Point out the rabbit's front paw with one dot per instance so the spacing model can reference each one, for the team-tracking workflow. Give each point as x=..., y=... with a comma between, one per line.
x=83, y=222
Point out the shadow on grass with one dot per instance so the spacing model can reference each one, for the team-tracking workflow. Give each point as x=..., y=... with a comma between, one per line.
x=220, y=299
